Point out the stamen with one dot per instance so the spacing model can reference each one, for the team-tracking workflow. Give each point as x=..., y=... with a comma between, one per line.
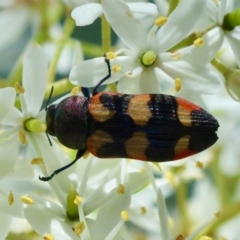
x=86, y=155
x=27, y=200
x=143, y=210
x=78, y=200
x=175, y=55
x=37, y=161
x=217, y=214
x=125, y=215
x=22, y=137
x=76, y=90
x=160, y=21
x=121, y=189
x=110, y=55
x=143, y=170
x=180, y=237
x=199, y=164
x=205, y=238
x=170, y=178
x=116, y=68
x=48, y=236
x=198, y=42
x=18, y=88
x=10, y=198
x=178, y=84
x=79, y=228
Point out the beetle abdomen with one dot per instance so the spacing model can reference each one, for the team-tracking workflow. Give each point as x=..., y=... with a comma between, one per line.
x=151, y=127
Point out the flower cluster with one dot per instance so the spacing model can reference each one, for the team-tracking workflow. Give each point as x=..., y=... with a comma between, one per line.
x=179, y=48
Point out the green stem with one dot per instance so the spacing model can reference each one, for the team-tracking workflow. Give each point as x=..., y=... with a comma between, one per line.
x=67, y=30
x=182, y=207
x=226, y=214
x=221, y=68
x=43, y=32
x=60, y=87
x=106, y=35
x=106, y=43
x=172, y=5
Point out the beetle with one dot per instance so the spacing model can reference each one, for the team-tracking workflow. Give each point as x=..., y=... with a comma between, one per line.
x=148, y=127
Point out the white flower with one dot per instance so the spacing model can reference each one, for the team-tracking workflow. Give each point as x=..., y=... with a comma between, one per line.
x=217, y=11
x=19, y=126
x=86, y=13
x=99, y=184
x=133, y=71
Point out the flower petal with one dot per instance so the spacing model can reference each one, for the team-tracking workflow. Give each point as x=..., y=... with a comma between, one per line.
x=47, y=222
x=121, y=19
x=148, y=83
x=12, y=29
x=233, y=38
x=212, y=10
x=212, y=43
x=163, y=217
x=7, y=98
x=86, y=14
x=5, y=226
x=129, y=85
x=54, y=158
x=143, y=8
x=9, y=155
x=180, y=24
x=89, y=73
x=194, y=76
x=110, y=214
x=14, y=210
x=34, y=77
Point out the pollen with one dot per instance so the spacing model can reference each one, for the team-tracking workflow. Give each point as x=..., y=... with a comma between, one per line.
x=178, y=84
x=143, y=210
x=198, y=42
x=199, y=164
x=121, y=189
x=10, y=198
x=160, y=21
x=110, y=55
x=78, y=200
x=37, y=161
x=48, y=236
x=148, y=58
x=79, y=228
x=27, y=200
x=18, y=88
x=22, y=137
x=76, y=90
x=116, y=68
x=125, y=215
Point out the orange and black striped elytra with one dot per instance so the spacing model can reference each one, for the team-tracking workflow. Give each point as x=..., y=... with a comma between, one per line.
x=148, y=127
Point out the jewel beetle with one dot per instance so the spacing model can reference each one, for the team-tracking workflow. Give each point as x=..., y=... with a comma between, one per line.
x=148, y=127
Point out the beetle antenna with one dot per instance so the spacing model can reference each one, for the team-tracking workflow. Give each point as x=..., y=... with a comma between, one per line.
x=80, y=153
x=49, y=98
x=49, y=140
x=105, y=78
